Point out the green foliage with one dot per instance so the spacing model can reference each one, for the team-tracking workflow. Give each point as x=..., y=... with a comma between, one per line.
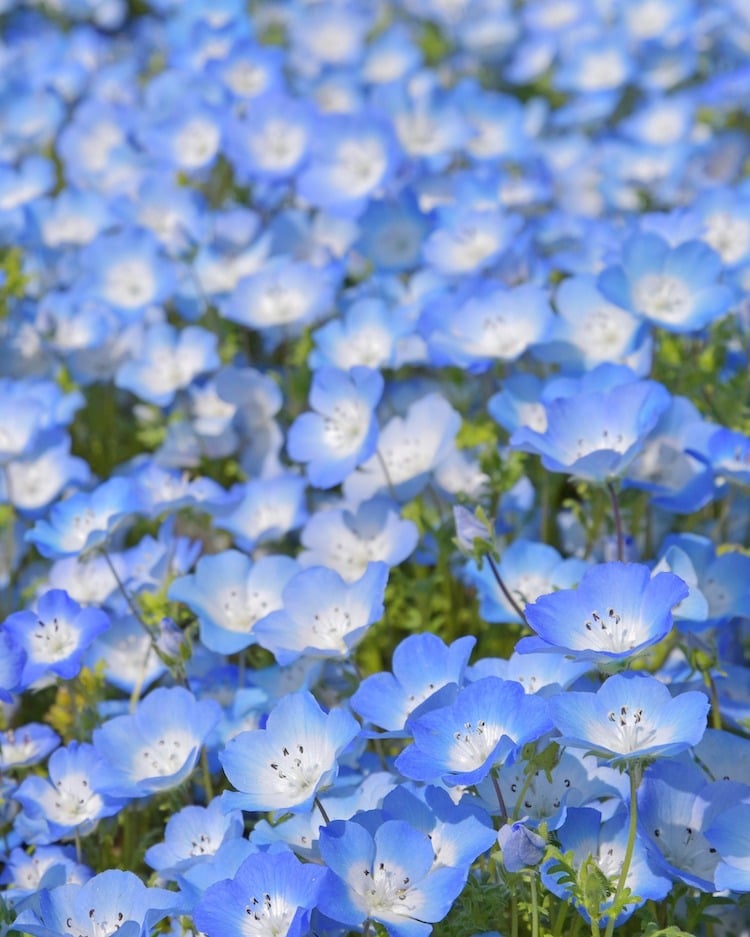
x=484, y=905
x=75, y=714
x=12, y=278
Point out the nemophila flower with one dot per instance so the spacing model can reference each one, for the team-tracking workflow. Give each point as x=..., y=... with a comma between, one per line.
x=284, y=293
x=387, y=876
x=409, y=449
x=616, y=611
x=84, y=520
x=676, y=805
x=188, y=140
x=270, y=895
x=486, y=725
x=26, y=745
x=604, y=843
x=589, y=329
x=468, y=241
x=674, y=464
x=269, y=509
x=284, y=765
x=68, y=801
x=365, y=334
x=31, y=484
x=272, y=140
x=595, y=435
x=347, y=539
x=543, y=673
x=157, y=746
x=230, y=594
x=459, y=832
x=127, y=271
x=725, y=213
x=522, y=848
x=113, y=901
x=422, y=665
x=483, y=324
x=322, y=614
x=723, y=580
x=633, y=716
x=168, y=360
x=351, y=158
x=676, y=288
x=391, y=234
x=55, y=635
x=191, y=835
x=342, y=430
x=28, y=874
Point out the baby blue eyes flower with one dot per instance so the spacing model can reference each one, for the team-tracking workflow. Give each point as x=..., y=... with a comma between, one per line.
x=270, y=895
x=676, y=288
x=632, y=717
x=522, y=847
x=286, y=764
x=56, y=635
x=341, y=431
x=617, y=610
x=322, y=614
x=157, y=746
x=596, y=434
x=486, y=725
x=388, y=876
x=111, y=902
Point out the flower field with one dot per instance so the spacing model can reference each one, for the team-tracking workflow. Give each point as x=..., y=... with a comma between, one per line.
x=374, y=468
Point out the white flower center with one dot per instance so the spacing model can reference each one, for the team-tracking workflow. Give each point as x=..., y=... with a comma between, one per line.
x=632, y=729
x=385, y=890
x=164, y=757
x=473, y=744
x=53, y=640
x=298, y=775
x=660, y=296
x=267, y=917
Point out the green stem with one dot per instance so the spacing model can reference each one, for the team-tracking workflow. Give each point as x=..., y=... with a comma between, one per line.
x=207, y=782
x=513, y=915
x=634, y=775
x=321, y=808
x=534, y=907
x=562, y=914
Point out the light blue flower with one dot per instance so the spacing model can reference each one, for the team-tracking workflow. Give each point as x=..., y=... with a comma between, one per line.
x=632, y=717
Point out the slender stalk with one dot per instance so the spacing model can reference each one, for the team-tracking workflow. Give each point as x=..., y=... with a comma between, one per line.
x=618, y=522
x=513, y=915
x=562, y=913
x=125, y=594
x=499, y=794
x=506, y=591
x=319, y=805
x=387, y=475
x=534, y=906
x=206, y=772
x=634, y=775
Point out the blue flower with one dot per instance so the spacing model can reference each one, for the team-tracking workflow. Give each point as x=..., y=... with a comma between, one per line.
x=322, y=615
x=156, y=747
x=422, y=665
x=342, y=430
x=486, y=725
x=26, y=745
x=632, y=717
x=286, y=764
x=595, y=435
x=730, y=835
x=230, y=594
x=674, y=287
x=113, y=901
x=270, y=895
x=56, y=635
x=617, y=610
x=388, y=877
x=522, y=847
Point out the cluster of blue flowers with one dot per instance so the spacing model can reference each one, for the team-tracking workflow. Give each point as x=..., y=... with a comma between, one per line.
x=318, y=314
